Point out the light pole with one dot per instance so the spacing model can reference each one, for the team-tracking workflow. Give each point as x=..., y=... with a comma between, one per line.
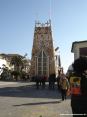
x=57, y=61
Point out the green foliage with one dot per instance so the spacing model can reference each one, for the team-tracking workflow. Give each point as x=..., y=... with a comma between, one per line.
x=17, y=61
x=15, y=73
x=40, y=116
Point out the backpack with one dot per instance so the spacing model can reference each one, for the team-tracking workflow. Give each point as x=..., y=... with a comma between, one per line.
x=64, y=84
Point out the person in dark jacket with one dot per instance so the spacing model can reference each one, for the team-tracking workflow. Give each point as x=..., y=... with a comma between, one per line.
x=78, y=84
x=52, y=79
x=84, y=92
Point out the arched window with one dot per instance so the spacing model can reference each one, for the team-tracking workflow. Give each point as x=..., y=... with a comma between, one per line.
x=42, y=65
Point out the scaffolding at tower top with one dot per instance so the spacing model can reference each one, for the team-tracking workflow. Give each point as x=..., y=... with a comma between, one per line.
x=47, y=24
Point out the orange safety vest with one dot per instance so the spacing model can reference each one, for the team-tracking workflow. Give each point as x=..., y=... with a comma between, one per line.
x=75, y=90
x=75, y=86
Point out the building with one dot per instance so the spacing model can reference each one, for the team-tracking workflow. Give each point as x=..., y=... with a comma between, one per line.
x=79, y=48
x=5, y=59
x=26, y=66
x=43, y=57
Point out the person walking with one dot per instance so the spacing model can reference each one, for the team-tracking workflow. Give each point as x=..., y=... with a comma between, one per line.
x=37, y=80
x=58, y=80
x=64, y=86
x=52, y=79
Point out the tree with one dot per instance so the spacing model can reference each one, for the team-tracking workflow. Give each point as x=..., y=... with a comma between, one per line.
x=17, y=62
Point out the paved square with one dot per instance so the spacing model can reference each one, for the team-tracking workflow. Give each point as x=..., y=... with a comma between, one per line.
x=22, y=99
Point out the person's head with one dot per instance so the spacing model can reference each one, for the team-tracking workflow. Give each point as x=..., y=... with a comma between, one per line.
x=80, y=65
x=63, y=76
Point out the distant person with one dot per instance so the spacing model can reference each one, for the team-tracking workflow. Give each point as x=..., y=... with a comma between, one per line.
x=52, y=79
x=58, y=79
x=42, y=82
x=78, y=84
x=37, y=80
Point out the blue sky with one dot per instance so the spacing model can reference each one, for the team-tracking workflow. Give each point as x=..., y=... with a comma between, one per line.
x=17, y=22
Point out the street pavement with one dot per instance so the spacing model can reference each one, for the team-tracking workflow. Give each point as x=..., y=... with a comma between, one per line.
x=22, y=99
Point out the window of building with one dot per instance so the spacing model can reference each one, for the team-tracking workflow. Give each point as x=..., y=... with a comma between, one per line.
x=42, y=63
x=83, y=51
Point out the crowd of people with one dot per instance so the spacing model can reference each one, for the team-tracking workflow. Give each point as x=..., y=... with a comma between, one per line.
x=75, y=85
x=61, y=81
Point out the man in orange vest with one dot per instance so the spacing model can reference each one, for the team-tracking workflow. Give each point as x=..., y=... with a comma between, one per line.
x=75, y=85
x=77, y=96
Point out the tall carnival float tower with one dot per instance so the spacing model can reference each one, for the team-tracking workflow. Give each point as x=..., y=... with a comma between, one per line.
x=42, y=61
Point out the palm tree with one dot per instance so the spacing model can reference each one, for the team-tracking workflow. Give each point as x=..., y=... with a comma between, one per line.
x=17, y=62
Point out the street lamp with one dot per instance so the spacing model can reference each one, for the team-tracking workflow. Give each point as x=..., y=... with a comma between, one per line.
x=58, y=61
x=57, y=48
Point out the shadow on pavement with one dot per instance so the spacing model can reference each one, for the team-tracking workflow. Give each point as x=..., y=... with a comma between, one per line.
x=30, y=91
x=39, y=103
